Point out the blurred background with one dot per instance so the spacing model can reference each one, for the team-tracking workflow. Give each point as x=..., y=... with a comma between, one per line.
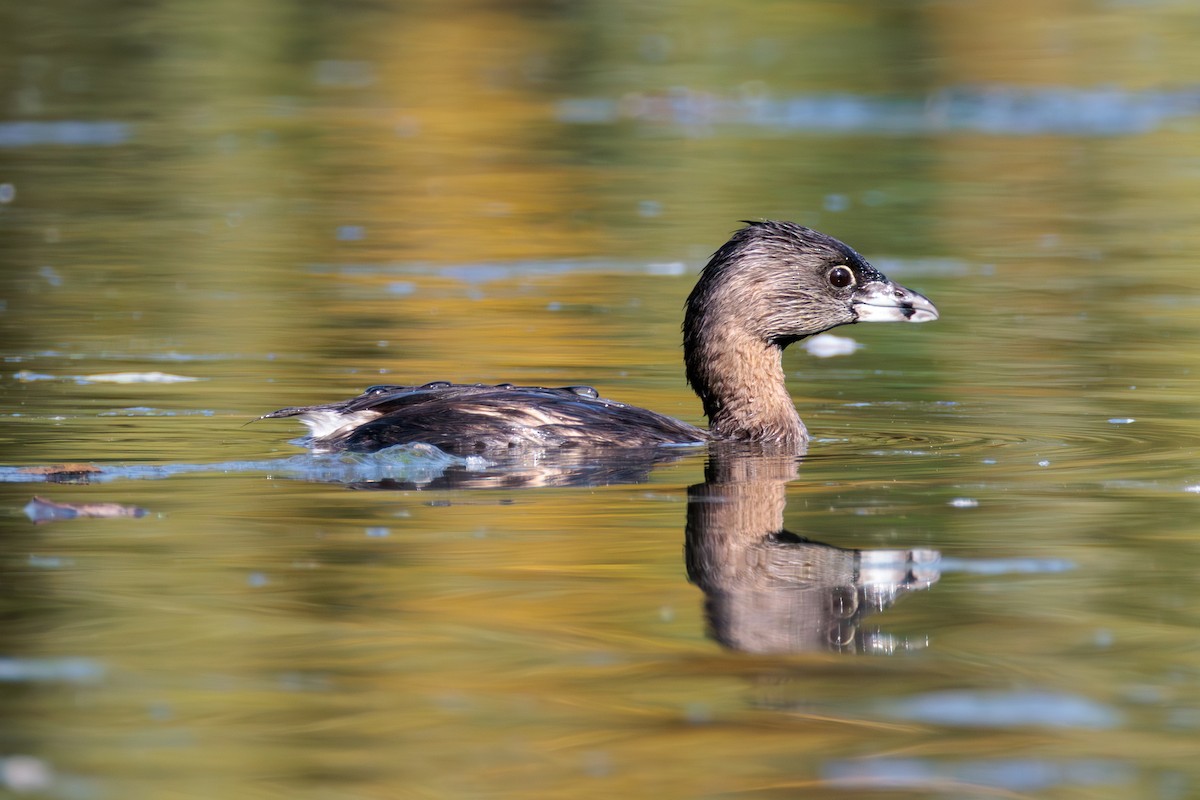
x=206, y=163
x=212, y=210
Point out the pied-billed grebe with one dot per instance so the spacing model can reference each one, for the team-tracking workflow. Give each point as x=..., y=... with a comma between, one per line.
x=772, y=284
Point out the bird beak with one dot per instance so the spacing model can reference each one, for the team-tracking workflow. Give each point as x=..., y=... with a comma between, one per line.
x=884, y=301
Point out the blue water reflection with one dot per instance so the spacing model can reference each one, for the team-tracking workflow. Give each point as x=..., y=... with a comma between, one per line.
x=997, y=110
x=56, y=670
x=1017, y=775
x=1000, y=709
x=102, y=133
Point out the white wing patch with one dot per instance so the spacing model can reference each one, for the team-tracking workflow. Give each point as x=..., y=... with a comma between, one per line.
x=323, y=423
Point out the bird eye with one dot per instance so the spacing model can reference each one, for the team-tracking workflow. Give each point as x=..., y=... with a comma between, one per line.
x=841, y=277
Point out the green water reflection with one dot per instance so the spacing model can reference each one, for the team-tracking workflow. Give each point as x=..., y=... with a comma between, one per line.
x=286, y=203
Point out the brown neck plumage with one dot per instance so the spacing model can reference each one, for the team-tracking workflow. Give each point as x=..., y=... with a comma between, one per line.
x=739, y=378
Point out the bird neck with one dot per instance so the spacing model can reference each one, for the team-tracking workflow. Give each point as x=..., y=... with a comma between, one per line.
x=740, y=381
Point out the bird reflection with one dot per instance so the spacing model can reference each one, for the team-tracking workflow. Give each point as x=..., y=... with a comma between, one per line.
x=768, y=590
x=575, y=467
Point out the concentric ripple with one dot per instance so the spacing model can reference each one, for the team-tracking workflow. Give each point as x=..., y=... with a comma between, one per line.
x=959, y=440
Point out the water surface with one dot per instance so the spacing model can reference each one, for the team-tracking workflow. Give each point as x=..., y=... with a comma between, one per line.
x=979, y=582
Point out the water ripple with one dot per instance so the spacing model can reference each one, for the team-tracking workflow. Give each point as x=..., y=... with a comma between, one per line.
x=956, y=435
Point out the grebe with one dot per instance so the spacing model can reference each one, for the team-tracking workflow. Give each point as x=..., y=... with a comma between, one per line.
x=771, y=284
